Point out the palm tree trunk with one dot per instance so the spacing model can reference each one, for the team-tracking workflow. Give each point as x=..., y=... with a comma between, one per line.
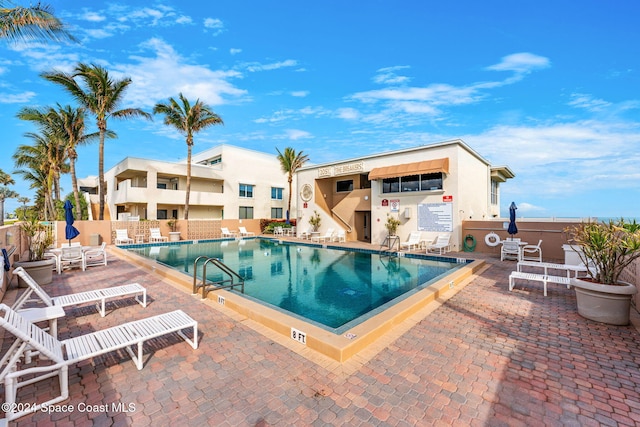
x=101, y=186
x=186, y=202
x=1, y=211
x=290, y=195
x=74, y=185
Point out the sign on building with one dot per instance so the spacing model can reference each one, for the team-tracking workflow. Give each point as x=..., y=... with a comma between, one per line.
x=436, y=217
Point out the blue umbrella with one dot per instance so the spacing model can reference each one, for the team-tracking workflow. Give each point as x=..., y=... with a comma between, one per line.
x=70, y=231
x=513, y=229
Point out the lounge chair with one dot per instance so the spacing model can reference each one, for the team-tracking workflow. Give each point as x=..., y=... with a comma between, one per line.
x=324, y=238
x=62, y=354
x=532, y=252
x=544, y=278
x=155, y=236
x=339, y=237
x=306, y=235
x=243, y=232
x=413, y=241
x=278, y=231
x=98, y=296
x=122, y=237
x=95, y=256
x=226, y=233
x=440, y=244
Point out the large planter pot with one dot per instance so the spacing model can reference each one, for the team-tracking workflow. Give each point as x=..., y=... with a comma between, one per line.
x=604, y=303
x=174, y=236
x=40, y=271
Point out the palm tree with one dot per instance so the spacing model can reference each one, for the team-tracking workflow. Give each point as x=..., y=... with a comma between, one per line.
x=102, y=97
x=5, y=192
x=187, y=119
x=31, y=23
x=290, y=161
x=24, y=201
x=69, y=126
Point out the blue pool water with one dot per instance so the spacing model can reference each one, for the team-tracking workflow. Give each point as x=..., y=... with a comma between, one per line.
x=332, y=288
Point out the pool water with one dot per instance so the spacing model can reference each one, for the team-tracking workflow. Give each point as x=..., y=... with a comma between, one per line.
x=332, y=288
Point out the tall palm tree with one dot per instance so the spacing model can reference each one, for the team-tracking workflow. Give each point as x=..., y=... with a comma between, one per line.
x=24, y=200
x=30, y=23
x=102, y=96
x=187, y=119
x=69, y=125
x=290, y=162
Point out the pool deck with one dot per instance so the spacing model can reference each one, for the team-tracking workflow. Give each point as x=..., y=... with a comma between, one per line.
x=484, y=357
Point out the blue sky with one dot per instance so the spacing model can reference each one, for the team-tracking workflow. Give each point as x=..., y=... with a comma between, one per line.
x=549, y=88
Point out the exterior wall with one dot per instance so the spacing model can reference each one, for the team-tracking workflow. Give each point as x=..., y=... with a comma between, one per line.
x=132, y=183
x=467, y=186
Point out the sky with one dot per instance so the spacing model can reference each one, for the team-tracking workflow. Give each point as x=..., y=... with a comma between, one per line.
x=550, y=89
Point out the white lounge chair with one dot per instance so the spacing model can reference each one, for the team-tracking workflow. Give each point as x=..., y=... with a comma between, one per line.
x=226, y=233
x=413, y=241
x=122, y=237
x=306, y=235
x=243, y=232
x=61, y=354
x=440, y=244
x=98, y=296
x=95, y=256
x=155, y=236
x=71, y=256
x=278, y=231
x=531, y=252
x=324, y=238
x=544, y=278
x=340, y=236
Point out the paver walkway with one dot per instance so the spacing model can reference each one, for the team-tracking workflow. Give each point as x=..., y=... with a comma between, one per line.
x=487, y=357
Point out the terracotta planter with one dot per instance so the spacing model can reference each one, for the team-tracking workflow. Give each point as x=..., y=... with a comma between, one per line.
x=604, y=303
x=41, y=271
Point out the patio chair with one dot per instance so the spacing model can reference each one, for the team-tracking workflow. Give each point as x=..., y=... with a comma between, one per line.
x=155, y=236
x=339, y=237
x=226, y=233
x=98, y=296
x=62, y=354
x=122, y=237
x=243, y=232
x=70, y=257
x=440, y=244
x=95, y=256
x=510, y=250
x=413, y=241
x=532, y=252
x=324, y=238
x=278, y=231
x=306, y=235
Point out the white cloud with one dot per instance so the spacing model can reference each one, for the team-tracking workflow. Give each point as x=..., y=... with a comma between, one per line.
x=295, y=134
x=255, y=66
x=213, y=23
x=92, y=17
x=348, y=113
x=300, y=93
x=234, y=51
x=166, y=74
x=389, y=76
x=580, y=100
x=17, y=98
x=521, y=63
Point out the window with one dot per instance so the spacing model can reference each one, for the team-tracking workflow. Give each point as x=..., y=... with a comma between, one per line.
x=342, y=186
x=494, y=192
x=276, y=213
x=162, y=214
x=246, y=190
x=423, y=182
x=161, y=185
x=276, y=193
x=246, y=212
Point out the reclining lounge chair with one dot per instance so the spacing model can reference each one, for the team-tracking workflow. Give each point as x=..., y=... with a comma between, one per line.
x=61, y=354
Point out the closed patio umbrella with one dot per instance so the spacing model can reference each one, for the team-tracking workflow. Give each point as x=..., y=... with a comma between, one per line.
x=70, y=232
x=513, y=229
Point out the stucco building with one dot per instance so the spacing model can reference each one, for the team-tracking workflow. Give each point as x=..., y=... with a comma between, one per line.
x=430, y=188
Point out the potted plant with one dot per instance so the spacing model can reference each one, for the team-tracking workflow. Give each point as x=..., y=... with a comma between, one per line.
x=39, y=237
x=392, y=225
x=606, y=249
x=315, y=221
x=174, y=234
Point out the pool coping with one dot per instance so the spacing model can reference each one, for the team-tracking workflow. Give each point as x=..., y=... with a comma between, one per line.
x=339, y=348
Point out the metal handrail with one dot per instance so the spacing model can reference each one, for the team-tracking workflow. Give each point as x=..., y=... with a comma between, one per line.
x=220, y=284
x=349, y=229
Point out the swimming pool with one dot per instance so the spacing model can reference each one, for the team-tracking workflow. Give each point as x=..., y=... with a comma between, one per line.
x=332, y=288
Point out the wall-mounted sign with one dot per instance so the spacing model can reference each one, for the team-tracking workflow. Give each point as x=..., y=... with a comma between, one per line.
x=305, y=205
x=306, y=193
x=385, y=202
x=324, y=172
x=348, y=168
x=395, y=205
x=447, y=198
x=435, y=217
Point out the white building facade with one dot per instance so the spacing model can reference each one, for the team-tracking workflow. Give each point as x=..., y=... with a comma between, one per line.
x=227, y=182
x=429, y=188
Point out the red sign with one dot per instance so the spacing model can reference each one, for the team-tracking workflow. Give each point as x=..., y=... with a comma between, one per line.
x=385, y=202
x=447, y=198
x=305, y=205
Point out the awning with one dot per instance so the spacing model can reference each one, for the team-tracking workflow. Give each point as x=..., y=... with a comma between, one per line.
x=417, y=168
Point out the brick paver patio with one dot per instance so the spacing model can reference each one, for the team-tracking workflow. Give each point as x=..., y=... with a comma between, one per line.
x=486, y=357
